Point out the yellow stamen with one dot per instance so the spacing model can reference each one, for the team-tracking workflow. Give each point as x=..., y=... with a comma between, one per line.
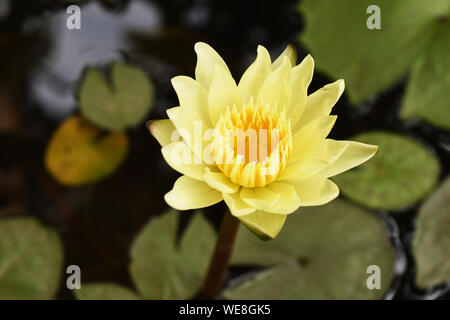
x=252, y=145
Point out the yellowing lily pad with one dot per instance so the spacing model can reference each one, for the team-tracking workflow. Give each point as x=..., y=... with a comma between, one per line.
x=104, y=291
x=119, y=102
x=321, y=253
x=400, y=174
x=163, y=269
x=414, y=36
x=431, y=245
x=79, y=153
x=31, y=260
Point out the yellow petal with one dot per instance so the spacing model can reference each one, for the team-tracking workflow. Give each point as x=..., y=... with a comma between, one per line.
x=303, y=168
x=315, y=191
x=353, y=155
x=254, y=77
x=309, y=137
x=277, y=87
x=290, y=52
x=332, y=149
x=188, y=193
x=288, y=201
x=222, y=93
x=260, y=198
x=324, y=154
x=162, y=130
x=219, y=181
x=301, y=77
x=192, y=95
x=180, y=157
x=236, y=205
x=265, y=225
x=191, y=127
x=207, y=59
x=321, y=102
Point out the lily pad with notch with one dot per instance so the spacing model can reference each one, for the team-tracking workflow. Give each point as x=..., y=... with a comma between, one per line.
x=321, y=253
x=161, y=268
x=119, y=102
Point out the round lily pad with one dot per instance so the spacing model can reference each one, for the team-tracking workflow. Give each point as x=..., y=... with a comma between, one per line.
x=79, y=153
x=31, y=259
x=431, y=245
x=401, y=173
x=326, y=252
x=119, y=102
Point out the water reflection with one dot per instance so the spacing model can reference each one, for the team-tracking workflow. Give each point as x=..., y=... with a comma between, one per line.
x=4, y=8
x=102, y=38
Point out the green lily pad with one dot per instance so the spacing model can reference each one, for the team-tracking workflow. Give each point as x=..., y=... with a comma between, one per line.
x=163, y=269
x=431, y=245
x=427, y=92
x=413, y=33
x=105, y=291
x=322, y=253
x=31, y=258
x=79, y=153
x=122, y=102
x=400, y=174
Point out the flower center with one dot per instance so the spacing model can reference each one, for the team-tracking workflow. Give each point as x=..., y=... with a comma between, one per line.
x=251, y=146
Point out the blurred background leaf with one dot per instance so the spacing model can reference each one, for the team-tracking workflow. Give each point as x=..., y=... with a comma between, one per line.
x=413, y=34
x=117, y=103
x=31, y=258
x=79, y=153
x=431, y=245
x=161, y=268
x=400, y=174
x=427, y=95
x=104, y=291
x=321, y=253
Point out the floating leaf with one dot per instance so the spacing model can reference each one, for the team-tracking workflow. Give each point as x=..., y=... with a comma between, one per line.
x=427, y=92
x=79, y=153
x=322, y=253
x=431, y=245
x=121, y=103
x=163, y=269
x=400, y=174
x=105, y=291
x=371, y=60
x=30, y=259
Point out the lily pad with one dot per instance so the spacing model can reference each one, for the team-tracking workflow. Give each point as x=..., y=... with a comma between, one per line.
x=413, y=35
x=431, y=245
x=164, y=269
x=400, y=174
x=321, y=253
x=79, y=153
x=105, y=291
x=122, y=102
x=427, y=92
x=31, y=258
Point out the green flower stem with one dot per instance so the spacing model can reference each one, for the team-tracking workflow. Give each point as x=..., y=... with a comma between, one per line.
x=221, y=258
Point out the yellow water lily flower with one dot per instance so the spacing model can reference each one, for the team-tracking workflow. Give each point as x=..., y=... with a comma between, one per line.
x=287, y=170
